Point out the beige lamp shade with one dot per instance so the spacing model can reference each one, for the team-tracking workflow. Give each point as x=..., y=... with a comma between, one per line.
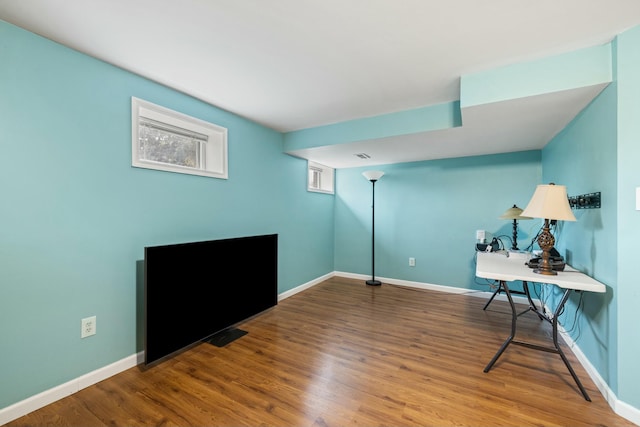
x=373, y=175
x=550, y=201
x=513, y=213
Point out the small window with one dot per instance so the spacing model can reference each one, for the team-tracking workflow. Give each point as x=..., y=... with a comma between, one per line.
x=320, y=178
x=166, y=140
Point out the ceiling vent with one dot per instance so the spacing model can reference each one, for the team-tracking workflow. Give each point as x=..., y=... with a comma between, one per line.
x=362, y=155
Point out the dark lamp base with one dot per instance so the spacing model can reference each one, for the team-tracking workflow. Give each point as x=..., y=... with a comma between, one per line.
x=373, y=282
x=546, y=241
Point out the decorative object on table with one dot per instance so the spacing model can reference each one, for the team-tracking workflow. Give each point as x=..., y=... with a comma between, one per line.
x=373, y=177
x=555, y=259
x=549, y=202
x=494, y=246
x=514, y=213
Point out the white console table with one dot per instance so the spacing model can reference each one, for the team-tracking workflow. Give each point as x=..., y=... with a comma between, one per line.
x=497, y=266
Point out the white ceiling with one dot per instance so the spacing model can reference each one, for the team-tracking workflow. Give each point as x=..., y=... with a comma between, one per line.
x=295, y=64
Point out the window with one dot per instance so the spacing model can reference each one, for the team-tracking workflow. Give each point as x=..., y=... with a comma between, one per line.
x=166, y=140
x=319, y=178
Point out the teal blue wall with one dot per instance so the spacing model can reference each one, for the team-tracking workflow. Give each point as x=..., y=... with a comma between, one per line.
x=583, y=157
x=75, y=216
x=430, y=211
x=599, y=151
x=628, y=80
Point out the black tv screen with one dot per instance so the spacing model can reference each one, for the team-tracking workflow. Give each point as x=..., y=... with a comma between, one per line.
x=195, y=290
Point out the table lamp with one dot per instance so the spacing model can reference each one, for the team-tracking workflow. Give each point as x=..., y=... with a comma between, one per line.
x=514, y=213
x=549, y=202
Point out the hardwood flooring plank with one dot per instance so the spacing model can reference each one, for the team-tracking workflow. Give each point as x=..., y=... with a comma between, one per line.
x=345, y=354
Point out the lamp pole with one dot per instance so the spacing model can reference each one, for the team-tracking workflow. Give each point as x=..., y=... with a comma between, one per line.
x=373, y=176
x=373, y=281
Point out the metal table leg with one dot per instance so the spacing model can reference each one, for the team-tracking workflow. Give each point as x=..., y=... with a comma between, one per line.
x=532, y=305
x=514, y=318
x=554, y=322
x=556, y=313
x=499, y=289
x=493, y=296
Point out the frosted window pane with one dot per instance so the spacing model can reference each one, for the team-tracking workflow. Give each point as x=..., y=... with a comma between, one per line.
x=165, y=147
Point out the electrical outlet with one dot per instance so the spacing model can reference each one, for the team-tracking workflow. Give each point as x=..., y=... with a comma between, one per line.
x=88, y=327
x=412, y=262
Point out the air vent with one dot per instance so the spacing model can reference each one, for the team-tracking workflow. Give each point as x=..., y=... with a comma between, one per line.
x=362, y=155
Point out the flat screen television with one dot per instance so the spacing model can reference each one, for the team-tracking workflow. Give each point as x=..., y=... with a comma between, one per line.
x=195, y=290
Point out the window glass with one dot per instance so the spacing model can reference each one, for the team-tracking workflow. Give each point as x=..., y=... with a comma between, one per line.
x=320, y=178
x=167, y=140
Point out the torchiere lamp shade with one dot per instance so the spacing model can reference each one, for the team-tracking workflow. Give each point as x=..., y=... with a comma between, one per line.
x=373, y=175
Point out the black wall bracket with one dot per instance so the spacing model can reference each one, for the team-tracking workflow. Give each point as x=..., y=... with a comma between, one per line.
x=585, y=201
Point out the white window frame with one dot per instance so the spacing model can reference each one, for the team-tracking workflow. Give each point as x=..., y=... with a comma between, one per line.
x=324, y=178
x=214, y=150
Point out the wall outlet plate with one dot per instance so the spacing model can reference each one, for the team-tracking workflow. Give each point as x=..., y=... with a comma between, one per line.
x=88, y=327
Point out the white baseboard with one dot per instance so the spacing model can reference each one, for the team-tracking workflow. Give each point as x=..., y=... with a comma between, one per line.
x=619, y=407
x=47, y=397
x=433, y=287
x=627, y=411
x=304, y=286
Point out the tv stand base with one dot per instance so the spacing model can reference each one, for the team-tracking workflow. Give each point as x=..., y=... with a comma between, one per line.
x=226, y=336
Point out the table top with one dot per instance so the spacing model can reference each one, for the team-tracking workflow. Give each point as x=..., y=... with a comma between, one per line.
x=498, y=266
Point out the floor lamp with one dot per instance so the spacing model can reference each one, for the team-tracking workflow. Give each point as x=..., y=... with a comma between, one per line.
x=373, y=176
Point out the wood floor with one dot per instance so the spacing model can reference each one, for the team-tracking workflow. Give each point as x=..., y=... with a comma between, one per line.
x=344, y=354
